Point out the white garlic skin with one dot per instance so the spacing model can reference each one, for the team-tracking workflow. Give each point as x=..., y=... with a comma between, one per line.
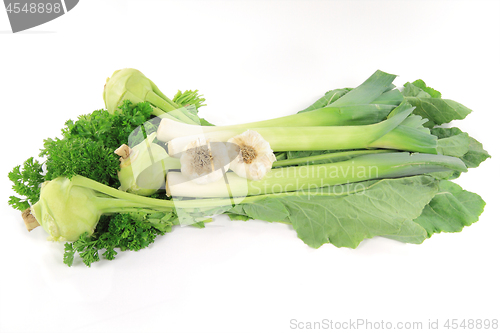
x=262, y=156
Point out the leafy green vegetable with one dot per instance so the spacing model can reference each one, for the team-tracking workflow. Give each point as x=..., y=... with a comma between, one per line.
x=344, y=215
x=189, y=97
x=421, y=85
x=27, y=181
x=345, y=221
x=128, y=231
x=474, y=155
x=238, y=217
x=450, y=209
x=409, y=232
x=408, y=199
x=267, y=209
x=192, y=98
x=112, y=129
x=429, y=104
x=81, y=156
x=87, y=147
x=408, y=209
x=456, y=145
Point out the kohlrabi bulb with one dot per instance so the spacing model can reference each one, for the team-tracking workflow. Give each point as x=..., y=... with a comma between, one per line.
x=65, y=211
x=143, y=168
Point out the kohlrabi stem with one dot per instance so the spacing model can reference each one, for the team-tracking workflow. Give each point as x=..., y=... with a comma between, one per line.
x=135, y=210
x=112, y=192
x=168, y=102
x=175, y=115
x=111, y=205
x=165, y=105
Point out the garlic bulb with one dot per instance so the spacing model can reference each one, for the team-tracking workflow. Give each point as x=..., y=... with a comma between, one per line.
x=255, y=157
x=203, y=161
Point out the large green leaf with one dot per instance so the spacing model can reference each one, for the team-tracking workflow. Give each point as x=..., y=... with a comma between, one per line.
x=456, y=145
x=410, y=232
x=382, y=208
x=475, y=153
x=435, y=109
x=430, y=91
x=450, y=210
x=268, y=209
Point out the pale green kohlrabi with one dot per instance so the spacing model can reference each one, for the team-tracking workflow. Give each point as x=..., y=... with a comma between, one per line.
x=130, y=84
x=59, y=202
x=69, y=208
x=144, y=167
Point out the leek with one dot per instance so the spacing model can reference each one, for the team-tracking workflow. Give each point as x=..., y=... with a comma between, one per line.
x=313, y=177
x=317, y=137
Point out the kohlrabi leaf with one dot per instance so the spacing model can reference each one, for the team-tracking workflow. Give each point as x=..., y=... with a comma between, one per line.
x=382, y=208
x=456, y=145
x=410, y=232
x=238, y=217
x=442, y=132
x=450, y=210
x=411, y=90
x=475, y=153
x=268, y=209
x=436, y=110
x=432, y=92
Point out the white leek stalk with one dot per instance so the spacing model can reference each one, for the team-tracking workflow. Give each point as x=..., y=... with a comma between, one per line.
x=204, y=162
x=311, y=178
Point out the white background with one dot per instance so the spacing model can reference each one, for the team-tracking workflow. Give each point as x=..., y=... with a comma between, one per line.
x=252, y=60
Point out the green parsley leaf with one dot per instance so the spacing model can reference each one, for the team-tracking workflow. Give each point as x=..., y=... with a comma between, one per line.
x=27, y=182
